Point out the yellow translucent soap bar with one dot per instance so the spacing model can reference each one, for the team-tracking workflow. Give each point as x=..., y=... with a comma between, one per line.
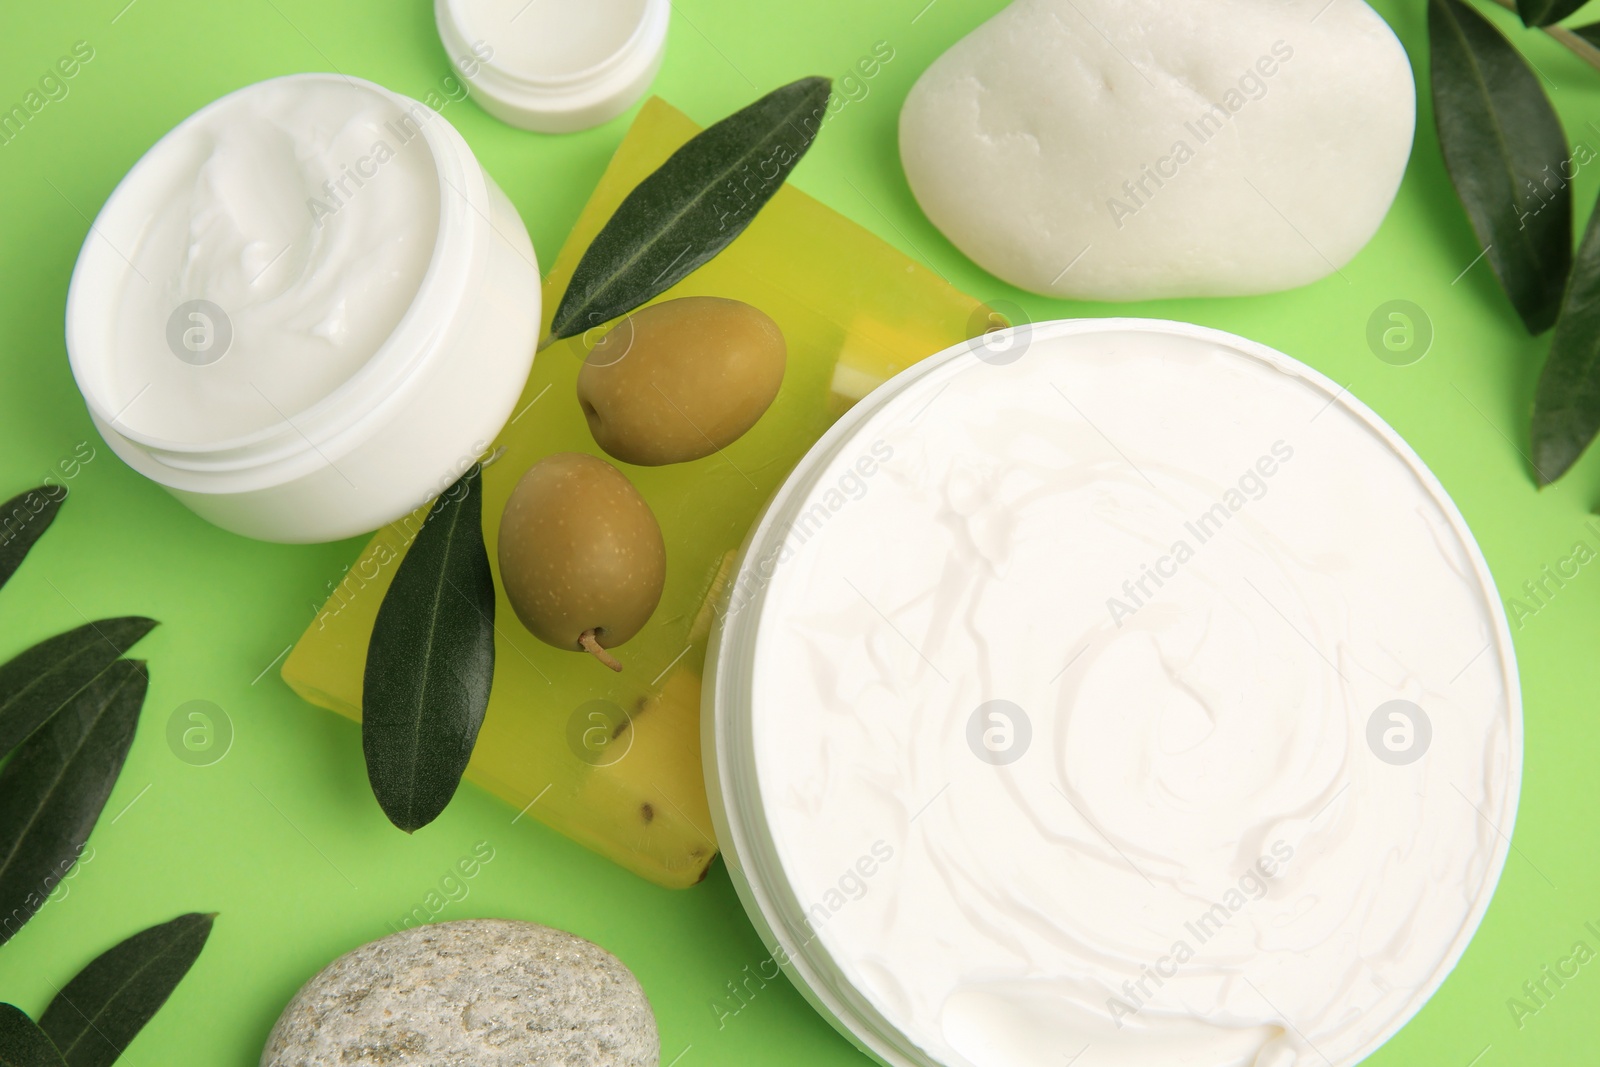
x=613, y=760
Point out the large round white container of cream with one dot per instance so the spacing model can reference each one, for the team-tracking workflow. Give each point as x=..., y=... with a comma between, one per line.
x=306, y=310
x=1121, y=690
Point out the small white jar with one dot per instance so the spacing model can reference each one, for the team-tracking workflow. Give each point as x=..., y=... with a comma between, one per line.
x=555, y=66
x=304, y=372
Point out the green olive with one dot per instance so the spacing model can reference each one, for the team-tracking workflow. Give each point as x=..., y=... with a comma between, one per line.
x=681, y=379
x=581, y=554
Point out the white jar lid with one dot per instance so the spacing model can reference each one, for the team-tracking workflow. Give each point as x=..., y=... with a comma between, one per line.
x=555, y=66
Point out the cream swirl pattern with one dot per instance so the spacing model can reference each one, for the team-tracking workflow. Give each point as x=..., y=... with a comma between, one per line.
x=1194, y=571
x=305, y=212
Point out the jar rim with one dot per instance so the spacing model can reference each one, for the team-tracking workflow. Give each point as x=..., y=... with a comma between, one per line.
x=612, y=80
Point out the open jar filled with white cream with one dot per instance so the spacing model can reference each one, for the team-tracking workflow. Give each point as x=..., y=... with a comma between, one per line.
x=306, y=310
x=1114, y=692
x=555, y=66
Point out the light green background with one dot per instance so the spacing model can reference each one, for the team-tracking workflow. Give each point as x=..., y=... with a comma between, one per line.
x=282, y=836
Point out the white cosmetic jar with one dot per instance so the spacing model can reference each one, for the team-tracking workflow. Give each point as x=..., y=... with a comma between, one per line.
x=987, y=807
x=555, y=66
x=411, y=403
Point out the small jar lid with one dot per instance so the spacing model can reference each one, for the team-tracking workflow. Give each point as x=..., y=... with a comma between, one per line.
x=555, y=66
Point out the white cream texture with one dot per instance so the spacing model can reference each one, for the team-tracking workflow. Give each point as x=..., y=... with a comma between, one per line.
x=1129, y=149
x=307, y=211
x=550, y=39
x=1054, y=905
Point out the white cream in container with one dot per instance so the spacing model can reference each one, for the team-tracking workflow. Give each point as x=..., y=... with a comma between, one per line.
x=555, y=66
x=1119, y=690
x=305, y=310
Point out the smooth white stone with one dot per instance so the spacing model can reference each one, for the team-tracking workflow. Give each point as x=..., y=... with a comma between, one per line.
x=1046, y=144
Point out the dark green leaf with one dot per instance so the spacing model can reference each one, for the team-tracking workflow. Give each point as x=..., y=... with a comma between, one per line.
x=95, y=1016
x=1590, y=33
x=36, y=684
x=1566, y=405
x=1546, y=12
x=52, y=791
x=692, y=206
x=22, y=1043
x=1504, y=149
x=23, y=520
x=431, y=662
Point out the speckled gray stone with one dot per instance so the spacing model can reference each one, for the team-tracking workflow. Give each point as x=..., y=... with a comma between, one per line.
x=476, y=993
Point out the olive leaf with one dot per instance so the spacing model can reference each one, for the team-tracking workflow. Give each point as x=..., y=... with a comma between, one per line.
x=1501, y=140
x=22, y=1043
x=692, y=206
x=94, y=1017
x=431, y=661
x=1566, y=404
x=23, y=520
x=1546, y=12
x=1590, y=33
x=39, y=682
x=54, y=788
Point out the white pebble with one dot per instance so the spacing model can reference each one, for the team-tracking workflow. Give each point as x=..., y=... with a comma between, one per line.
x=1134, y=149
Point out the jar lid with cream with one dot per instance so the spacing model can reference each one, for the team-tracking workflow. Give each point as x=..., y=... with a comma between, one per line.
x=555, y=66
x=1118, y=692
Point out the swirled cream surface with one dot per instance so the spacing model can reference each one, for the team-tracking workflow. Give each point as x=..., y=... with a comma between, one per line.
x=1143, y=700
x=297, y=219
